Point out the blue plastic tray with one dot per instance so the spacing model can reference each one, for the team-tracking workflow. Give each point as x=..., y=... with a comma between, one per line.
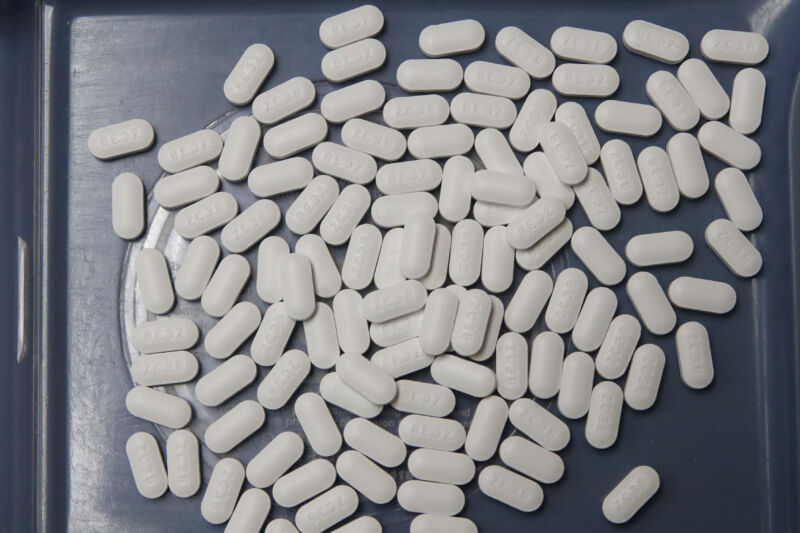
x=728, y=456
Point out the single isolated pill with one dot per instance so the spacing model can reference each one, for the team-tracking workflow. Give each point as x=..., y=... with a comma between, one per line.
x=327, y=281
x=353, y=60
x=241, y=143
x=463, y=375
x=279, y=177
x=577, y=79
x=155, y=284
x=272, y=336
x=374, y=483
x=361, y=256
x=321, y=340
x=511, y=365
x=658, y=178
x=694, y=355
x=417, y=496
x=747, y=100
x=510, y=488
x=651, y=303
x=605, y=409
x=432, y=432
x=574, y=395
x=408, y=112
x=528, y=301
x=232, y=428
x=598, y=256
x=531, y=459
x=304, y=482
x=597, y=201
x=483, y=110
x=594, y=319
x=618, y=345
x=451, y=38
x=152, y=370
x=146, y=464
x=225, y=380
x=486, y=428
x=429, y=75
x=165, y=335
x=120, y=139
x=522, y=50
x=688, y=165
x=284, y=100
x=206, y=215
x=728, y=46
x=183, y=463
x=190, y=151
x=669, y=96
x=654, y=41
x=326, y=510
x=127, y=206
x=283, y=379
x=563, y=152
x=627, y=118
x=630, y=495
x=733, y=248
x=222, y=490
x=496, y=79
x=737, y=198
x=232, y=330
x=539, y=424
x=250, y=512
x=374, y=442
x=574, y=117
x=337, y=392
x=345, y=163
x=248, y=74
x=197, y=267
x=728, y=145
x=317, y=423
x=662, y=248
x=438, y=320
x=581, y=45
x=566, y=300
x=538, y=109
x=702, y=295
x=620, y=171
x=644, y=377
x=250, y=226
x=352, y=101
x=547, y=359
x=418, y=397
x=704, y=88
x=225, y=285
x=274, y=459
x=177, y=190
x=351, y=26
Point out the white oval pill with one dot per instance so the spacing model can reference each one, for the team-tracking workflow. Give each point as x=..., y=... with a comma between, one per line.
x=283, y=379
x=522, y=50
x=407, y=112
x=400, y=330
x=531, y=459
x=438, y=319
x=229, y=430
x=295, y=135
x=466, y=250
x=450, y=38
x=280, y=525
x=630, y=494
x=573, y=116
x=326, y=510
x=747, y=100
x=538, y=109
x=618, y=345
x=486, y=428
x=225, y=381
x=197, y=267
x=597, y=201
x=563, y=152
x=510, y=488
x=351, y=26
x=374, y=442
x=351, y=326
x=250, y=512
x=155, y=285
x=497, y=272
x=511, y=366
x=361, y=256
x=183, y=463
x=535, y=222
x=190, y=151
x=120, y=139
x=353, y=60
x=387, y=269
x=252, y=225
x=392, y=211
x=605, y=409
x=177, y=190
x=728, y=46
x=398, y=300
x=352, y=101
x=274, y=459
x=651, y=303
x=463, y=375
x=704, y=88
x=304, y=482
x=480, y=110
x=401, y=358
x=738, y=200
x=165, y=335
x=232, y=330
x=166, y=368
x=241, y=143
x=733, y=248
x=575, y=392
x=659, y=248
x=222, y=490
x=337, y=392
x=728, y=145
x=426, y=497
x=576, y=79
x=440, y=141
x=431, y=432
x=566, y=300
x=688, y=165
x=327, y=281
x=317, y=423
x=627, y=118
x=225, y=285
x=272, y=335
x=694, y=355
x=146, y=464
x=281, y=176
x=644, y=377
x=598, y=256
x=429, y=523
x=547, y=358
x=702, y=295
x=419, y=232
x=441, y=467
x=669, y=96
x=298, y=282
x=585, y=46
x=374, y=139
x=345, y=163
x=655, y=42
x=366, y=378
x=248, y=74
x=283, y=100
x=502, y=188
x=495, y=152
x=658, y=178
x=440, y=260
x=127, y=206
x=496, y=79
x=422, y=398
x=206, y=215
x=594, y=319
x=621, y=172
x=366, y=477
x=539, y=424
x=528, y=301
x=320, y=333
x=472, y=318
x=429, y=75
x=492, y=331
x=271, y=252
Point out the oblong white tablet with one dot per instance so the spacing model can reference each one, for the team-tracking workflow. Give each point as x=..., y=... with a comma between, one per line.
x=248, y=74
x=573, y=116
x=502, y=188
x=627, y=118
x=563, y=152
x=183, y=463
x=486, y=428
x=374, y=139
x=747, y=100
x=312, y=204
x=585, y=46
x=483, y=110
x=225, y=381
x=531, y=459
x=597, y=201
x=440, y=260
x=351, y=26
x=630, y=494
x=206, y=215
x=392, y=211
x=694, y=355
x=337, y=392
x=511, y=365
x=279, y=177
x=327, y=281
x=353, y=60
x=528, y=301
x=492, y=331
x=190, y=151
x=539, y=424
x=466, y=250
x=361, y=256
x=165, y=368
x=304, y=483
x=704, y=88
x=298, y=281
x=197, y=267
x=594, y=319
x=127, y=206
x=377, y=485
x=426, y=497
x=733, y=248
x=395, y=301
x=366, y=378
x=326, y=510
x=418, y=397
x=241, y=143
x=644, y=377
x=496, y=79
x=280, y=525
x=510, y=488
x=146, y=464
x=177, y=190
x=655, y=42
x=576, y=79
x=375, y=442
x=728, y=46
x=574, y=395
x=441, y=467
x=271, y=253
x=232, y=330
x=490, y=214
x=497, y=269
x=538, y=109
x=463, y=375
x=429, y=75
x=345, y=163
x=407, y=112
x=250, y=512
x=283, y=379
x=620, y=171
x=658, y=178
x=702, y=295
x=535, y=222
x=651, y=303
x=165, y=335
x=351, y=326
x=728, y=145
x=416, y=250
x=225, y=285
x=522, y=50
x=274, y=459
x=120, y=139
x=566, y=300
x=688, y=165
x=471, y=320
x=738, y=199
x=429, y=523
x=402, y=354
x=598, y=256
x=547, y=358
x=250, y=226
x=272, y=335
x=450, y=38
x=352, y=101
x=155, y=284
x=605, y=409
x=659, y=248
x=431, y=432
x=295, y=135
x=320, y=332
x=284, y=100
x=669, y=96
x=438, y=320
x=618, y=345
x=495, y=152
x=222, y=490
x=318, y=425
x=229, y=430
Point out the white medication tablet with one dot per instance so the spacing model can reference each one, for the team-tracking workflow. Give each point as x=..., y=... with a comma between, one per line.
x=511, y=366
x=298, y=284
x=327, y=281
x=438, y=320
x=326, y=510
x=702, y=295
x=295, y=135
x=581, y=45
x=393, y=210
x=486, y=428
x=271, y=252
x=728, y=145
x=418, y=397
x=353, y=60
x=522, y=50
x=283, y=379
x=510, y=488
x=491, y=214
x=440, y=141
x=704, y=88
x=166, y=368
x=374, y=139
x=274, y=459
x=694, y=355
x=463, y=375
x=575, y=79
x=492, y=331
x=248, y=74
x=183, y=463
x=320, y=333
x=351, y=26
x=345, y=163
x=597, y=201
x=539, y=424
x=538, y=168
x=397, y=331
x=429, y=75
x=366, y=378
x=497, y=271
x=598, y=256
x=662, y=248
x=250, y=226
x=155, y=285
x=441, y=467
x=605, y=409
x=232, y=330
x=419, y=233
x=747, y=100
x=406, y=112
x=535, y=222
x=361, y=256
x=127, y=206
x=434, y=498
x=225, y=380
x=538, y=109
x=451, y=38
x=280, y=525
x=284, y=100
x=496, y=79
x=563, y=152
x=594, y=319
x=337, y=392
x=395, y=301
x=620, y=171
x=566, y=300
x=471, y=320
x=627, y=118
x=688, y=165
x=502, y=188
x=241, y=143
x=440, y=260
x=197, y=267
x=165, y=335
x=547, y=358
x=483, y=110
x=374, y=442
x=190, y=151
x=250, y=512
x=733, y=248
x=304, y=482
x=272, y=336
x=630, y=495
x=429, y=523
x=146, y=464
x=222, y=490
x=644, y=377
x=738, y=200
x=225, y=285
x=366, y=477
x=658, y=178
x=352, y=101
x=495, y=152
x=573, y=116
x=351, y=326
x=431, y=432
x=177, y=190
x=669, y=96
x=655, y=42
x=387, y=269
x=229, y=430
x=317, y=423
x=466, y=251
x=120, y=139
x=728, y=46
x=531, y=459
x=206, y=215
x=279, y=177
x=575, y=392
x=651, y=303
x=528, y=301
x=618, y=345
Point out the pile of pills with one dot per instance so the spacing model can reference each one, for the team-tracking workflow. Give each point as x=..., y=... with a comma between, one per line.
x=424, y=262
